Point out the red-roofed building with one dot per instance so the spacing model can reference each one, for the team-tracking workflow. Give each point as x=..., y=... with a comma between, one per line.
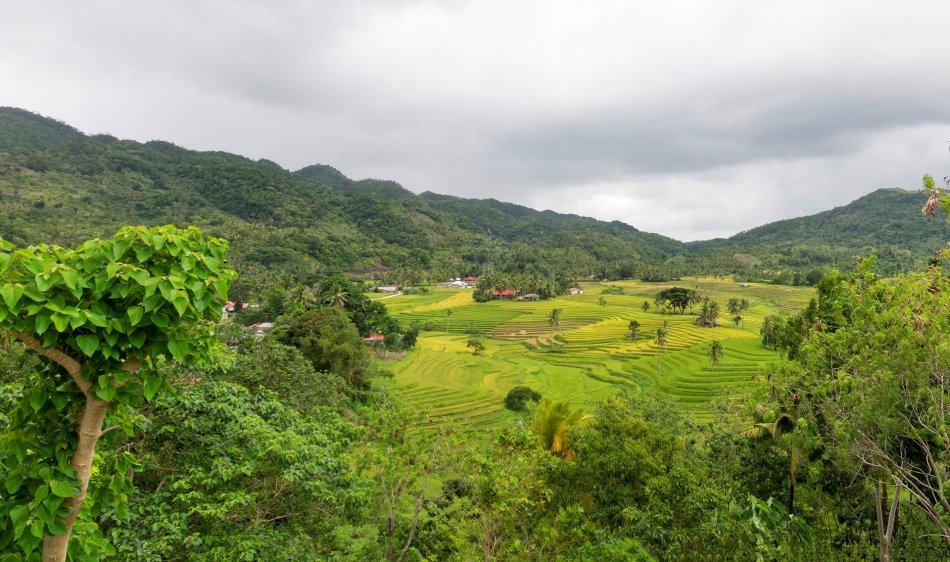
x=373, y=338
x=575, y=291
x=503, y=294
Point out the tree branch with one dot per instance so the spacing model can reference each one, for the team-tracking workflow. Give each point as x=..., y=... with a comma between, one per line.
x=892, y=516
x=60, y=358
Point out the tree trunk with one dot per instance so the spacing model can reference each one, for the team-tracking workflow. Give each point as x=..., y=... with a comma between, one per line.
x=886, y=527
x=90, y=428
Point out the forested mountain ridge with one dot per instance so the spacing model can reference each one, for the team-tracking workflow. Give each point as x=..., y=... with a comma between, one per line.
x=62, y=186
x=886, y=220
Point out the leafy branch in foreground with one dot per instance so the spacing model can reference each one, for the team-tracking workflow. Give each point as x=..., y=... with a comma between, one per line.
x=100, y=314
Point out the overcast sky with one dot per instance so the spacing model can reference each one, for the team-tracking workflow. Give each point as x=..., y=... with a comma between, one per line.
x=691, y=119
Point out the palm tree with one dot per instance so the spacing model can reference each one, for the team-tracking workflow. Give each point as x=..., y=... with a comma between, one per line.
x=733, y=306
x=301, y=296
x=554, y=318
x=551, y=422
x=645, y=306
x=770, y=331
x=634, y=328
x=736, y=320
x=715, y=352
x=708, y=314
x=660, y=340
x=771, y=427
x=602, y=301
x=336, y=296
x=448, y=314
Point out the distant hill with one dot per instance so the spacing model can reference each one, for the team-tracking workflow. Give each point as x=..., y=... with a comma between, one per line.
x=887, y=221
x=886, y=215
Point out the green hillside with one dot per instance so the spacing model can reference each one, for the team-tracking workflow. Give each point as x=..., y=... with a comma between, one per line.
x=62, y=186
x=887, y=220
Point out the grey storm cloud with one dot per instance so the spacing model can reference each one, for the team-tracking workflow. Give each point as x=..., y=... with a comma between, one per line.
x=694, y=119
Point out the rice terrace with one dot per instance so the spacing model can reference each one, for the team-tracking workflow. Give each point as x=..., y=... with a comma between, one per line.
x=587, y=356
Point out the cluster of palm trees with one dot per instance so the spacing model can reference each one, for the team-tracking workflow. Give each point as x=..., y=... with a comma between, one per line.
x=307, y=298
x=736, y=307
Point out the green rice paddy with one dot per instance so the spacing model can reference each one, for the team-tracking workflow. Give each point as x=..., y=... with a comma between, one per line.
x=584, y=359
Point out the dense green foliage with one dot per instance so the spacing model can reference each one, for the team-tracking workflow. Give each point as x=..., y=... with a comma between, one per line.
x=287, y=445
x=62, y=186
x=228, y=474
x=327, y=338
x=101, y=315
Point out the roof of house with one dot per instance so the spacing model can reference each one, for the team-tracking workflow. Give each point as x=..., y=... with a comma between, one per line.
x=374, y=337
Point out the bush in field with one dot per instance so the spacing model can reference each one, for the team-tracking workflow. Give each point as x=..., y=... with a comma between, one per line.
x=519, y=396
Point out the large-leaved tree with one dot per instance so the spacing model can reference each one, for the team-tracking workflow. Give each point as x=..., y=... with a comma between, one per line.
x=100, y=314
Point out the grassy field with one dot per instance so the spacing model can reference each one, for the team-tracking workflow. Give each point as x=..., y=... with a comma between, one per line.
x=587, y=357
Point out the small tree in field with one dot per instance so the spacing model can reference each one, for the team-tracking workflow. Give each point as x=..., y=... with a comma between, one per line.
x=100, y=314
x=476, y=346
x=634, y=328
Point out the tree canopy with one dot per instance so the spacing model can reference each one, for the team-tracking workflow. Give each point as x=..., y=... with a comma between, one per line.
x=677, y=298
x=103, y=313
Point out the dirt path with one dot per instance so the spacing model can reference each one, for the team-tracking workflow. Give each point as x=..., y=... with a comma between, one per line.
x=396, y=294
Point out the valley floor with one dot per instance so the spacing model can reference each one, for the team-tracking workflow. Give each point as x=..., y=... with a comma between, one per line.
x=588, y=356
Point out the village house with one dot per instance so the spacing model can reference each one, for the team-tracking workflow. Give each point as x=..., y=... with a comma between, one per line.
x=387, y=288
x=575, y=291
x=504, y=294
x=532, y=297
x=261, y=328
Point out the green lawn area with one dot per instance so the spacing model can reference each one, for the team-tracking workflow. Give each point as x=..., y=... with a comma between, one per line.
x=587, y=357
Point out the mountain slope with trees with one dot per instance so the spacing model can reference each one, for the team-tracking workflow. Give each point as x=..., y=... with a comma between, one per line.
x=886, y=220
x=62, y=186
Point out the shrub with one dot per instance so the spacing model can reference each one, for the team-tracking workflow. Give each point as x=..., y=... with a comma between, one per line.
x=519, y=396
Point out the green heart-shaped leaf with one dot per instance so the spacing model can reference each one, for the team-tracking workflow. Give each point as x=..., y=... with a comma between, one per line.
x=88, y=344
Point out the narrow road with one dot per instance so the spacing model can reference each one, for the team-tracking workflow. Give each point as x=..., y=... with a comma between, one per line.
x=396, y=294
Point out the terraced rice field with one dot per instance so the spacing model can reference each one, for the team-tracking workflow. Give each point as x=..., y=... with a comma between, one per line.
x=585, y=358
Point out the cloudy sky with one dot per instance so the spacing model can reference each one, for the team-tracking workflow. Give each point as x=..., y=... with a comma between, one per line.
x=691, y=119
